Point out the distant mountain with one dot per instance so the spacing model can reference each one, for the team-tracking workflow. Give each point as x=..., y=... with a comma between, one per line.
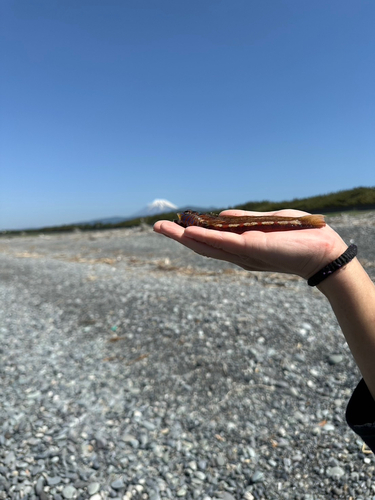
x=156, y=207
x=105, y=220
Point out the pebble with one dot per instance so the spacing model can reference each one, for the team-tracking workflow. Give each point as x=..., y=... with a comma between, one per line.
x=148, y=425
x=118, y=484
x=154, y=496
x=39, y=485
x=227, y=496
x=257, y=476
x=69, y=491
x=248, y=496
x=193, y=465
x=52, y=481
x=335, y=471
x=9, y=458
x=182, y=491
x=93, y=488
x=335, y=359
x=200, y=475
x=328, y=427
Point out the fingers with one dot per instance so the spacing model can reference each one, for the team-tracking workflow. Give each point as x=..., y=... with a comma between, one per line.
x=240, y=213
x=198, y=239
x=205, y=242
x=169, y=229
x=210, y=243
x=221, y=240
x=285, y=212
x=206, y=250
x=232, y=243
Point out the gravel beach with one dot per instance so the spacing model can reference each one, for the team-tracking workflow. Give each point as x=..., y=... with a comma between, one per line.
x=132, y=368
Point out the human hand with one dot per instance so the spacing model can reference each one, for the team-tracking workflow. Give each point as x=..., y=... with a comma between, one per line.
x=302, y=251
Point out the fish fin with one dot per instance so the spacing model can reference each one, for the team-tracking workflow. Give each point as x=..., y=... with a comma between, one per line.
x=313, y=220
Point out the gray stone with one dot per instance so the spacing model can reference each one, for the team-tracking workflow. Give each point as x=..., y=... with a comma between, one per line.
x=69, y=492
x=328, y=427
x=227, y=496
x=193, y=465
x=154, y=495
x=182, y=491
x=335, y=471
x=132, y=440
x=200, y=475
x=10, y=458
x=52, y=481
x=118, y=484
x=93, y=488
x=202, y=464
x=40, y=485
x=148, y=425
x=257, y=476
x=335, y=359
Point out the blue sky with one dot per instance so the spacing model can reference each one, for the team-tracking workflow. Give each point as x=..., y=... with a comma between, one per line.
x=107, y=105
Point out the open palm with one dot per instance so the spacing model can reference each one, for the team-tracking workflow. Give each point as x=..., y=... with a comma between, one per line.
x=302, y=251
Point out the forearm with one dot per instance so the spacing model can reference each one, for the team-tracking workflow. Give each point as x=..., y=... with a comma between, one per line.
x=351, y=294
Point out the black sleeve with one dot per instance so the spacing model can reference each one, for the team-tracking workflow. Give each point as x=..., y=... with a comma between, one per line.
x=360, y=414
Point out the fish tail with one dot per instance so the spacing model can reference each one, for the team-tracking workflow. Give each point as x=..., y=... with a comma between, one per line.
x=314, y=221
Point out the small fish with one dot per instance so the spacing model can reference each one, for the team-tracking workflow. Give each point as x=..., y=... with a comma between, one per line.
x=241, y=224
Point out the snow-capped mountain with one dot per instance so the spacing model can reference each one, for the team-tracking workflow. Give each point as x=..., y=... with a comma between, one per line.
x=158, y=206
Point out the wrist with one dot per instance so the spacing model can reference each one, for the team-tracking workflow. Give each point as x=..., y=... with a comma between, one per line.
x=333, y=266
x=324, y=252
x=342, y=281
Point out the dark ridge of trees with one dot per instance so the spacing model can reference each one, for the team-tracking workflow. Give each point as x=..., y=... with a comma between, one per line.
x=360, y=198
